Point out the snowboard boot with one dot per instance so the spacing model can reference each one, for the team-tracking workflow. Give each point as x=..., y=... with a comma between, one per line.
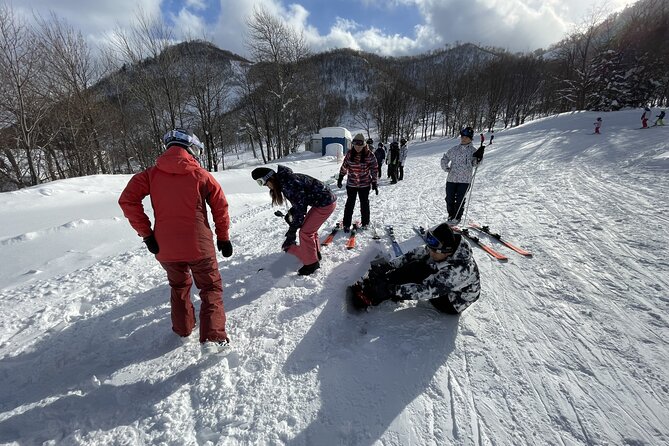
x=308, y=269
x=214, y=347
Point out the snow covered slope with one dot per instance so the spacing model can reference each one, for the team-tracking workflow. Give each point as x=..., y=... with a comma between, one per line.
x=568, y=347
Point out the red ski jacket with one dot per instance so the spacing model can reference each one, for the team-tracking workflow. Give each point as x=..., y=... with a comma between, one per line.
x=179, y=189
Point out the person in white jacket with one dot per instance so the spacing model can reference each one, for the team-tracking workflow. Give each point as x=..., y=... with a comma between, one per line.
x=404, y=151
x=459, y=162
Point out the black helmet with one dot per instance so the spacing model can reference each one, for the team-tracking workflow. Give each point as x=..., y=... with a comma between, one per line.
x=370, y=141
x=403, y=141
x=468, y=132
x=441, y=239
x=380, y=144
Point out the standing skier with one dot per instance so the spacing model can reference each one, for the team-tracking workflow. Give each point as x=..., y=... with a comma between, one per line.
x=482, y=137
x=361, y=167
x=644, y=118
x=380, y=155
x=404, y=151
x=393, y=161
x=442, y=274
x=302, y=191
x=181, y=239
x=598, y=125
x=660, y=119
x=492, y=136
x=459, y=161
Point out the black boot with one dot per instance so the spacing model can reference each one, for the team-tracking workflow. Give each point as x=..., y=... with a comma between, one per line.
x=308, y=269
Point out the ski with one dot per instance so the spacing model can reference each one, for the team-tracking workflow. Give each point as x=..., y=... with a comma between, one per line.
x=396, y=246
x=350, y=244
x=486, y=230
x=465, y=233
x=332, y=234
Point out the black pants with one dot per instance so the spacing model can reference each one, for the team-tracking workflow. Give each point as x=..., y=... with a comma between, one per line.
x=455, y=199
x=351, y=194
x=392, y=171
x=401, y=172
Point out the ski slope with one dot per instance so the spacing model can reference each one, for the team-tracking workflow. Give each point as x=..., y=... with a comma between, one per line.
x=569, y=347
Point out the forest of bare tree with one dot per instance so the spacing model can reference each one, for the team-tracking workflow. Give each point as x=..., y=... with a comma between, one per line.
x=68, y=110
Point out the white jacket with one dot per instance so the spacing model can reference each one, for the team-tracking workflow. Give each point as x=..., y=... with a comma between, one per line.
x=459, y=161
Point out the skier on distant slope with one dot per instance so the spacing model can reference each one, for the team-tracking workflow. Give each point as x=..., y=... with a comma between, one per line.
x=181, y=240
x=598, y=124
x=660, y=119
x=459, y=161
x=442, y=274
x=302, y=191
x=644, y=118
x=361, y=168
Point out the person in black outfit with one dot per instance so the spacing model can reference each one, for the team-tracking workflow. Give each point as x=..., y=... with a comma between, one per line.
x=380, y=155
x=394, y=161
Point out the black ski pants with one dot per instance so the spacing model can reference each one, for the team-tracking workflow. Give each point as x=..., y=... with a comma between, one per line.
x=401, y=172
x=351, y=194
x=455, y=199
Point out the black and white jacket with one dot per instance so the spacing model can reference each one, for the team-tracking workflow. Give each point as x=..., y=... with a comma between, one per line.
x=456, y=278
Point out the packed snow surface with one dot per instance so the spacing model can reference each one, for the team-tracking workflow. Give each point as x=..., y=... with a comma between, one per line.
x=568, y=347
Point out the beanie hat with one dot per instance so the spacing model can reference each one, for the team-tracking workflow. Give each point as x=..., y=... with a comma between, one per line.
x=262, y=174
x=441, y=239
x=370, y=141
x=359, y=137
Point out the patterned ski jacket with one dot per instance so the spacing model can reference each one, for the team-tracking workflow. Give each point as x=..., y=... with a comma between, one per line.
x=404, y=151
x=458, y=162
x=362, y=168
x=180, y=190
x=456, y=278
x=302, y=191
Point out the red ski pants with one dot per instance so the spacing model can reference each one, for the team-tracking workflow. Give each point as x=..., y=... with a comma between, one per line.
x=180, y=276
x=309, y=243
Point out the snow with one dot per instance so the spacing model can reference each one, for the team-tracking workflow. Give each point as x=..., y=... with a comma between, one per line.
x=568, y=347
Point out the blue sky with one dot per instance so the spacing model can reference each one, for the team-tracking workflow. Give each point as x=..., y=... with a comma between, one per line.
x=386, y=27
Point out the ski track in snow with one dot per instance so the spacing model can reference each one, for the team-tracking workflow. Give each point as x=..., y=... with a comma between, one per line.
x=568, y=347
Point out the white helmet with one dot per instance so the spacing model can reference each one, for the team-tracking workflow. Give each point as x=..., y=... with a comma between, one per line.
x=185, y=139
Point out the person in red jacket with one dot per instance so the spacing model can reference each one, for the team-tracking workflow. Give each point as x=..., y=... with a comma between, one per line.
x=181, y=239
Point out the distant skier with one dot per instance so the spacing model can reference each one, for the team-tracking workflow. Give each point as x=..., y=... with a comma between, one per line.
x=393, y=161
x=404, y=151
x=181, y=239
x=380, y=155
x=442, y=274
x=302, y=191
x=660, y=119
x=598, y=125
x=482, y=138
x=492, y=136
x=361, y=170
x=459, y=161
x=644, y=118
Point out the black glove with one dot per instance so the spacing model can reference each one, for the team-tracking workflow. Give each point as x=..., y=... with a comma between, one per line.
x=290, y=240
x=479, y=153
x=225, y=247
x=375, y=189
x=340, y=181
x=152, y=244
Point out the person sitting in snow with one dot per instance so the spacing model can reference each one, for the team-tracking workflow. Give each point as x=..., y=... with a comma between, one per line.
x=442, y=274
x=302, y=191
x=660, y=119
x=181, y=240
x=598, y=125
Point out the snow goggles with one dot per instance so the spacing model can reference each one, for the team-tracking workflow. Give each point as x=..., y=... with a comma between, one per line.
x=262, y=181
x=358, y=142
x=435, y=245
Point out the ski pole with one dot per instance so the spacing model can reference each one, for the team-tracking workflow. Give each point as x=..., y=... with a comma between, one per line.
x=468, y=194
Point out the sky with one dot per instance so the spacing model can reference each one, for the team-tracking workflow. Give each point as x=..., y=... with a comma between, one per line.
x=568, y=347
x=385, y=27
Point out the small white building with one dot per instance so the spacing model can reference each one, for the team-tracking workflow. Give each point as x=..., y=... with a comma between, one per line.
x=329, y=135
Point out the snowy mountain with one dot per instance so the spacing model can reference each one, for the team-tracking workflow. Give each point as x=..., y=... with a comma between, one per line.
x=568, y=347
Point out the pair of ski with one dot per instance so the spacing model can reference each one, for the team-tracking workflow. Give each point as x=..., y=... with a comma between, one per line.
x=350, y=243
x=465, y=232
